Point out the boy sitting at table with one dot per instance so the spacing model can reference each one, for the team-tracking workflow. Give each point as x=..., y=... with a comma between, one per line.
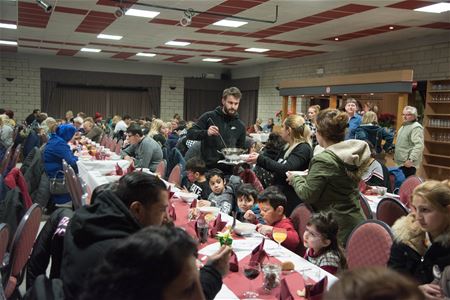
x=196, y=169
x=222, y=195
x=248, y=210
x=272, y=203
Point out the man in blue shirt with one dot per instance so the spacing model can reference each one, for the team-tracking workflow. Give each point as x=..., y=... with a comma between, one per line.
x=354, y=119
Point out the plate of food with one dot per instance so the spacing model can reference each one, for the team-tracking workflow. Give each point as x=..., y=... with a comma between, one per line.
x=245, y=228
x=187, y=196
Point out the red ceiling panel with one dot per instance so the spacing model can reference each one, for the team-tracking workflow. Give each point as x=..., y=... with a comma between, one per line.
x=116, y=3
x=210, y=31
x=123, y=55
x=410, y=4
x=333, y=14
x=96, y=22
x=29, y=40
x=8, y=21
x=4, y=48
x=70, y=10
x=315, y=20
x=226, y=10
x=365, y=32
x=269, y=41
x=184, y=49
x=234, y=33
x=31, y=15
x=73, y=44
x=437, y=25
x=354, y=8
x=164, y=21
x=178, y=57
x=243, y=4
x=109, y=51
x=67, y=52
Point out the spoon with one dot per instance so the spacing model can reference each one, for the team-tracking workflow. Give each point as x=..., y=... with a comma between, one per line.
x=212, y=122
x=437, y=274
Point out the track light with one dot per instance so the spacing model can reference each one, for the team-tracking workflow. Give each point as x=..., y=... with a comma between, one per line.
x=45, y=6
x=187, y=19
x=119, y=12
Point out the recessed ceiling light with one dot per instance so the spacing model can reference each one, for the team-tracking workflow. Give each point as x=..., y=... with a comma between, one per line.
x=336, y=39
x=90, y=50
x=109, y=37
x=212, y=59
x=371, y=94
x=391, y=27
x=11, y=43
x=435, y=8
x=230, y=23
x=258, y=50
x=177, y=43
x=141, y=13
x=8, y=26
x=146, y=54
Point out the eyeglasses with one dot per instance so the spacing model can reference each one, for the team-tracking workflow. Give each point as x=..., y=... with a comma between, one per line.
x=407, y=114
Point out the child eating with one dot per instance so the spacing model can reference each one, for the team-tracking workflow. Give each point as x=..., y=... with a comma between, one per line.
x=272, y=203
x=248, y=210
x=320, y=239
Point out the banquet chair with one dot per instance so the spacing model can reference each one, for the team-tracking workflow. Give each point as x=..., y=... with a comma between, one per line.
x=20, y=250
x=103, y=140
x=161, y=168
x=300, y=217
x=112, y=145
x=365, y=207
x=175, y=175
x=4, y=238
x=392, y=182
x=407, y=188
x=74, y=186
x=389, y=210
x=369, y=244
x=118, y=147
x=6, y=159
x=15, y=157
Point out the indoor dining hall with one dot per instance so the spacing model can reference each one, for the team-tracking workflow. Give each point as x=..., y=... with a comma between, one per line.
x=224, y=149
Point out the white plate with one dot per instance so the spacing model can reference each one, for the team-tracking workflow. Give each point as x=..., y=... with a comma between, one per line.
x=115, y=157
x=244, y=157
x=209, y=210
x=245, y=228
x=297, y=173
x=187, y=197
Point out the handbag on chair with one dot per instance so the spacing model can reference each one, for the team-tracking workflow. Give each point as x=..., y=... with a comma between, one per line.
x=58, y=185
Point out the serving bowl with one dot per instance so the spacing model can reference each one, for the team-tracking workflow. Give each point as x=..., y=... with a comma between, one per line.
x=245, y=228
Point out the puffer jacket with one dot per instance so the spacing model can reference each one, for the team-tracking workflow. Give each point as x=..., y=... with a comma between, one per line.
x=411, y=256
x=332, y=183
x=36, y=178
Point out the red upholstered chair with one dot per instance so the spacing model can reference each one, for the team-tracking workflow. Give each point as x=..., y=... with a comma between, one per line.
x=118, y=147
x=300, y=217
x=365, y=207
x=389, y=210
x=175, y=175
x=15, y=157
x=6, y=159
x=161, y=168
x=4, y=238
x=21, y=247
x=369, y=244
x=74, y=185
x=407, y=188
x=392, y=181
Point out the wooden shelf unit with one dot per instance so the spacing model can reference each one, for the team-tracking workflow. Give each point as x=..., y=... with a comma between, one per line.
x=436, y=156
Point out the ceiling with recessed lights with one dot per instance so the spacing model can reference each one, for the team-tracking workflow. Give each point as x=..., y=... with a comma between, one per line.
x=303, y=28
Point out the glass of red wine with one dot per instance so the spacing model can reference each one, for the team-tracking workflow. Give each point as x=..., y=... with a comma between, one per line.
x=251, y=271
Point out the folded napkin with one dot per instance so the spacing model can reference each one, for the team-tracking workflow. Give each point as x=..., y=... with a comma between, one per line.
x=194, y=203
x=259, y=254
x=131, y=167
x=170, y=193
x=233, y=262
x=217, y=226
x=316, y=291
x=119, y=170
x=171, y=211
x=285, y=292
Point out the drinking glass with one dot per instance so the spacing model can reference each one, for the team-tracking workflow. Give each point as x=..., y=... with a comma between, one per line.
x=279, y=235
x=251, y=271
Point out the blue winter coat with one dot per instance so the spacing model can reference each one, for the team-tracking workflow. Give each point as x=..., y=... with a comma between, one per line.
x=55, y=151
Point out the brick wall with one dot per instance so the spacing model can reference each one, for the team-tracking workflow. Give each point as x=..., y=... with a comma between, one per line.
x=429, y=58
x=171, y=99
x=23, y=93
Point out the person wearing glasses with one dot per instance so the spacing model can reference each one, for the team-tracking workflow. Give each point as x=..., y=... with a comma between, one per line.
x=410, y=144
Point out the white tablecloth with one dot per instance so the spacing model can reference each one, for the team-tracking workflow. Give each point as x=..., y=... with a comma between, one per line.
x=93, y=172
x=373, y=200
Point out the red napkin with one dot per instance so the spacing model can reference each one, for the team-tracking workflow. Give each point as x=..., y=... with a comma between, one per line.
x=258, y=254
x=119, y=170
x=131, y=167
x=316, y=291
x=217, y=226
x=289, y=286
x=170, y=193
x=194, y=203
x=233, y=262
x=285, y=293
x=171, y=211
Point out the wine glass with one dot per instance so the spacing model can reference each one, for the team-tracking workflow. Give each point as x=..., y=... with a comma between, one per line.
x=251, y=271
x=279, y=235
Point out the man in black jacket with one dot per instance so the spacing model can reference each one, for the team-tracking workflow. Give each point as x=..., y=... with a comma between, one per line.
x=223, y=121
x=138, y=200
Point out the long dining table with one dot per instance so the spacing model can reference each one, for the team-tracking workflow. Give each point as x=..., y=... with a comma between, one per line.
x=96, y=172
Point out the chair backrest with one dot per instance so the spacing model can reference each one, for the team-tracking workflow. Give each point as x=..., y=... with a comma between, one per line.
x=118, y=146
x=21, y=246
x=407, y=188
x=6, y=159
x=392, y=181
x=300, y=217
x=175, y=175
x=4, y=238
x=102, y=139
x=73, y=185
x=369, y=244
x=161, y=168
x=15, y=157
x=112, y=145
x=389, y=210
x=365, y=207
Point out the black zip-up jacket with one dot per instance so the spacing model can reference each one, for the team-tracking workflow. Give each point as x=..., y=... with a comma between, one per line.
x=231, y=129
x=93, y=230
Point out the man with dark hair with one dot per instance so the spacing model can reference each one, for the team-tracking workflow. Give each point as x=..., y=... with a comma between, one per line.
x=138, y=200
x=129, y=270
x=31, y=117
x=144, y=151
x=220, y=128
x=354, y=119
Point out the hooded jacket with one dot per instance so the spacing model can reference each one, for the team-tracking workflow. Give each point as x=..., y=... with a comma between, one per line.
x=55, y=151
x=231, y=129
x=332, y=183
x=410, y=254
